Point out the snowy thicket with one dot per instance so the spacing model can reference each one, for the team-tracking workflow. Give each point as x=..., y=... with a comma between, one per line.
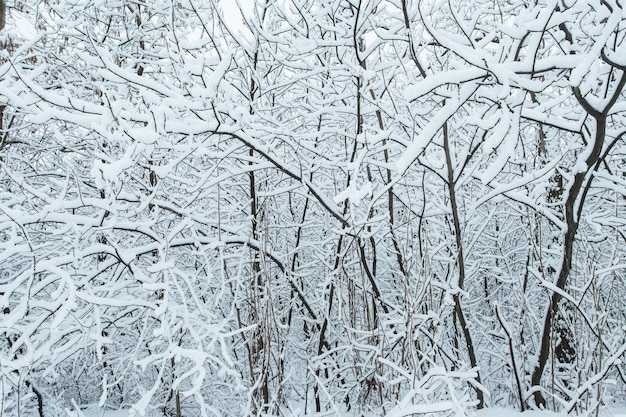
x=392, y=207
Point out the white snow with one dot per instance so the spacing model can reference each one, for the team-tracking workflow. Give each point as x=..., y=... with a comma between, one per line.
x=23, y=25
x=234, y=18
x=414, y=409
x=504, y=412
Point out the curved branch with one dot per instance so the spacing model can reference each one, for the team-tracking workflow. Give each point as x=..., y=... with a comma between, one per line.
x=285, y=170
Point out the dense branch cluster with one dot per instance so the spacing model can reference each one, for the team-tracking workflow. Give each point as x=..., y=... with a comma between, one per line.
x=380, y=207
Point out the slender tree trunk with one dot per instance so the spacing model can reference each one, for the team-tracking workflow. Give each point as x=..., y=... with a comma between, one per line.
x=573, y=208
x=2, y=14
x=458, y=310
x=259, y=367
x=569, y=237
x=2, y=23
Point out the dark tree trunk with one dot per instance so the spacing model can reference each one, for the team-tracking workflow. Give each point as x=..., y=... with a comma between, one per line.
x=2, y=14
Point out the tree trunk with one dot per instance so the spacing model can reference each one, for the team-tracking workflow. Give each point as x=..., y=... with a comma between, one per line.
x=571, y=218
x=3, y=15
x=458, y=310
x=2, y=23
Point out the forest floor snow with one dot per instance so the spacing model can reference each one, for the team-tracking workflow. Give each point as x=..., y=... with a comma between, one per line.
x=489, y=412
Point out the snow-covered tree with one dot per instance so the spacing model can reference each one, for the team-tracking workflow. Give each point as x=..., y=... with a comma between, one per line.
x=389, y=207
